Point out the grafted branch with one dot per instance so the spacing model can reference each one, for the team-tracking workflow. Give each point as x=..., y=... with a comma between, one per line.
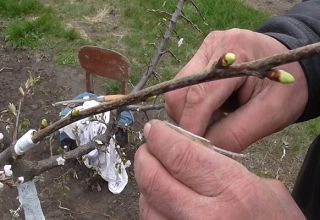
x=258, y=68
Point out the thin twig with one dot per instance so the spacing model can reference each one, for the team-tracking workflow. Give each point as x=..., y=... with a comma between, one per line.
x=142, y=108
x=192, y=24
x=81, y=213
x=162, y=47
x=174, y=56
x=182, y=16
x=5, y=68
x=15, y=132
x=50, y=144
x=198, y=10
x=61, y=207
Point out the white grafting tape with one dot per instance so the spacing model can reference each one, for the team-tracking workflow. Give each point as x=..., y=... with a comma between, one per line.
x=1, y=137
x=25, y=143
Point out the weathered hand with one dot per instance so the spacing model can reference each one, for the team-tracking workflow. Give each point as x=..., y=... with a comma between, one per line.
x=261, y=106
x=180, y=179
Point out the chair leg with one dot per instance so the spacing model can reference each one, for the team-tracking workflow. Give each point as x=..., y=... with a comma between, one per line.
x=123, y=87
x=89, y=82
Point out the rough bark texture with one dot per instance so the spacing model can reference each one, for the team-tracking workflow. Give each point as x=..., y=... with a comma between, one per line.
x=162, y=47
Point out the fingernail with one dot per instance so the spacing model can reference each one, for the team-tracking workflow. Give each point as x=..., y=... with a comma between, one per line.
x=146, y=129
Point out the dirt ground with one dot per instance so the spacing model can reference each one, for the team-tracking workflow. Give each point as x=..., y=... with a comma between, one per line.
x=273, y=6
x=83, y=200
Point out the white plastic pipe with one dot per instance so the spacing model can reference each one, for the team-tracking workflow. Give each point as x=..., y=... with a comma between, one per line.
x=25, y=143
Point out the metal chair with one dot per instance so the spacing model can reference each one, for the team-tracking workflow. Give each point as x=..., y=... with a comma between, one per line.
x=105, y=63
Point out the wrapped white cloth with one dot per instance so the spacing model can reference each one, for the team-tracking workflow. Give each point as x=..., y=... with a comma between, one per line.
x=106, y=160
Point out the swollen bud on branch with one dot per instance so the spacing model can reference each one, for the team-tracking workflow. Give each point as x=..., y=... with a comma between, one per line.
x=75, y=112
x=12, y=108
x=280, y=76
x=227, y=60
x=44, y=123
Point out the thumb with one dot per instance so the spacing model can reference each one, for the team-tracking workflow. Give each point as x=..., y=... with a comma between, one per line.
x=199, y=168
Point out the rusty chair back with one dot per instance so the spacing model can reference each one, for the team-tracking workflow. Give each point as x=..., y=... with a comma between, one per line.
x=105, y=63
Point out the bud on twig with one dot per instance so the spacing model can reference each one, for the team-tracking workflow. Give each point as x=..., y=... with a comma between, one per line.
x=226, y=60
x=12, y=108
x=44, y=123
x=280, y=76
x=75, y=112
x=21, y=91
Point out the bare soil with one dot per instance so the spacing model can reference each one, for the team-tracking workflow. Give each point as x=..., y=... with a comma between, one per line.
x=273, y=6
x=84, y=200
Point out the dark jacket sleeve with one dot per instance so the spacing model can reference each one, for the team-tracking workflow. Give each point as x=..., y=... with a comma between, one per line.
x=301, y=26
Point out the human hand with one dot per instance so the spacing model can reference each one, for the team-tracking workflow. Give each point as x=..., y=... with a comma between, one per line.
x=181, y=179
x=262, y=106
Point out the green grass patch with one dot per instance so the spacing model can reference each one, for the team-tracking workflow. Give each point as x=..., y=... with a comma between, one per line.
x=30, y=24
x=33, y=25
x=29, y=33
x=313, y=127
x=18, y=8
x=145, y=27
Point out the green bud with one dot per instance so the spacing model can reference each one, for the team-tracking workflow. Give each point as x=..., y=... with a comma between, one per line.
x=228, y=59
x=280, y=76
x=285, y=77
x=75, y=112
x=12, y=108
x=44, y=123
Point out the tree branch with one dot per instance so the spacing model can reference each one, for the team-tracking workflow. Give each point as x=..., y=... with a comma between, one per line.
x=29, y=169
x=162, y=47
x=143, y=108
x=258, y=68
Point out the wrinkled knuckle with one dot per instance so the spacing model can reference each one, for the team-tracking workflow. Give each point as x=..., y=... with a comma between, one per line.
x=170, y=102
x=144, y=213
x=276, y=109
x=196, y=94
x=180, y=157
x=211, y=38
x=237, y=34
x=237, y=142
x=149, y=181
x=144, y=208
x=137, y=156
x=279, y=185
